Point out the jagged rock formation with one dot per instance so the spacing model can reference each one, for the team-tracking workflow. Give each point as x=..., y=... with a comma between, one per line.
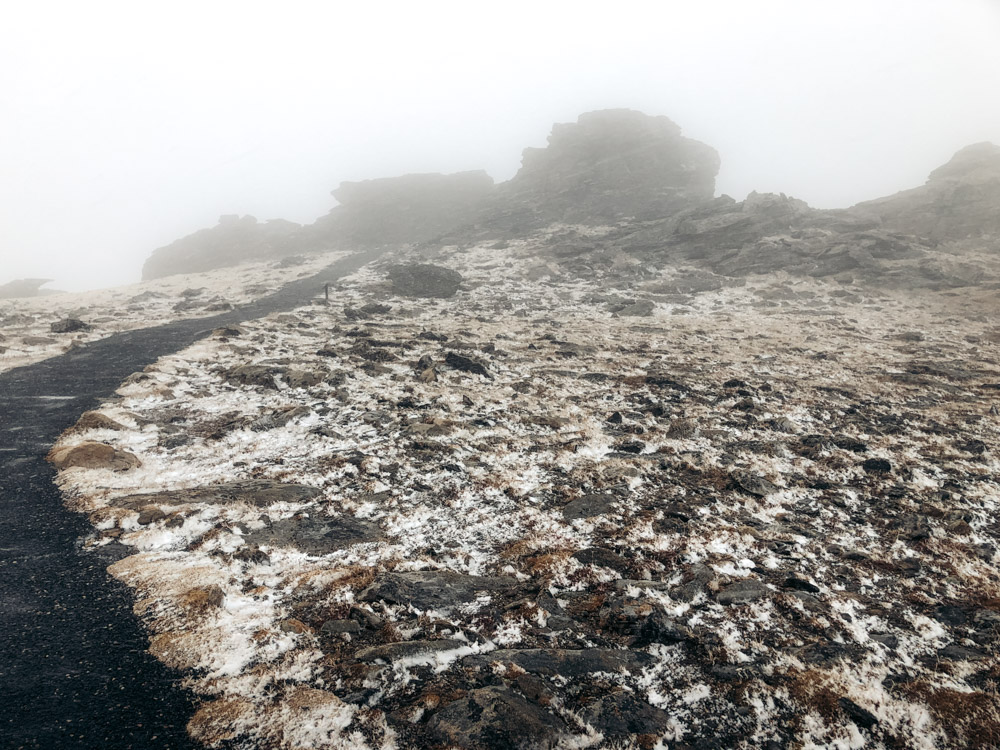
x=607, y=166
x=959, y=201
x=655, y=189
x=404, y=210
x=232, y=241
x=24, y=288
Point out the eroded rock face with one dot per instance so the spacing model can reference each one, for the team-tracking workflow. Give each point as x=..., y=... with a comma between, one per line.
x=608, y=165
x=403, y=210
x=959, y=200
x=232, y=241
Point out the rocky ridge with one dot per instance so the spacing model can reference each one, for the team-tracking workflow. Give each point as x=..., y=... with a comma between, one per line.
x=603, y=506
x=653, y=192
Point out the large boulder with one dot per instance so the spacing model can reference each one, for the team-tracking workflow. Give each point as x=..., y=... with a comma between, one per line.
x=959, y=200
x=232, y=241
x=610, y=165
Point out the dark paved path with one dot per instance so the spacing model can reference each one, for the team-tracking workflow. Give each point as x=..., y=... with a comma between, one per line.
x=74, y=672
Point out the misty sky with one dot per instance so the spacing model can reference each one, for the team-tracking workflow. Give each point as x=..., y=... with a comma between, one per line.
x=126, y=125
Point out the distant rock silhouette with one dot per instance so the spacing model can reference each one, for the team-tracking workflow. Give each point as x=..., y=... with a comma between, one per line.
x=607, y=166
x=961, y=199
x=232, y=241
x=24, y=288
x=403, y=210
x=655, y=189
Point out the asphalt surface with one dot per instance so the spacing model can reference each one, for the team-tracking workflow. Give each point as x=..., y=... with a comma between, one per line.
x=74, y=672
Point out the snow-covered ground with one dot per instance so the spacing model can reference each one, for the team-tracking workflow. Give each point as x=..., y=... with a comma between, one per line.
x=764, y=513
x=26, y=334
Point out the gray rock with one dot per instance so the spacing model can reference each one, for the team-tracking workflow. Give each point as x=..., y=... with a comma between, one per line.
x=495, y=718
x=424, y=280
x=753, y=484
x=257, y=492
x=433, y=589
x=338, y=627
x=407, y=649
x=742, y=592
x=258, y=375
x=588, y=506
x=623, y=714
x=315, y=535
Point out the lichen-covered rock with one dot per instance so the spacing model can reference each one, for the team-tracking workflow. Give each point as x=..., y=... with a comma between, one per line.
x=424, y=280
x=92, y=455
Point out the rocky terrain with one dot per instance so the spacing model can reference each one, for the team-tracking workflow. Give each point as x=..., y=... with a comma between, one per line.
x=655, y=189
x=591, y=458
x=36, y=327
x=568, y=510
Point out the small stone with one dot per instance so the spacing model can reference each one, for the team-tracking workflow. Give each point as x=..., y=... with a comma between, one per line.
x=876, y=466
x=860, y=716
x=69, y=325
x=753, y=484
x=150, y=514
x=338, y=627
x=742, y=592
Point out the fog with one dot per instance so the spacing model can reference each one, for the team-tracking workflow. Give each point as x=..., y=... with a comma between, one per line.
x=128, y=125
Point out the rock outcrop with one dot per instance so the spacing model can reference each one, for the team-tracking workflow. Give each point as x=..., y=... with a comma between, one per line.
x=656, y=190
x=232, y=241
x=959, y=201
x=607, y=166
x=403, y=210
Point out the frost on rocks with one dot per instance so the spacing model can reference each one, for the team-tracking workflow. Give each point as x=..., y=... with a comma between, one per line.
x=614, y=531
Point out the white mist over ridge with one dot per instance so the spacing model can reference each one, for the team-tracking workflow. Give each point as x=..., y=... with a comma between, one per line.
x=128, y=127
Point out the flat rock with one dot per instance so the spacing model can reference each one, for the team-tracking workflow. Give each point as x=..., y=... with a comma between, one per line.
x=433, y=589
x=315, y=535
x=257, y=492
x=623, y=714
x=93, y=456
x=69, y=325
x=742, y=592
x=588, y=506
x=566, y=662
x=496, y=718
x=753, y=484
x=424, y=280
x=407, y=649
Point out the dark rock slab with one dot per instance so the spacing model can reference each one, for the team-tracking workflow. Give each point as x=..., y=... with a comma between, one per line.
x=742, y=592
x=753, y=484
x=588, y=506
x=257, y=492
x=315, y=535
x=496, y=718
x=601, y=556
x=259, y=375
x=433, y=589
x=69, y=325
x=466, y=364
x=623, y=713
